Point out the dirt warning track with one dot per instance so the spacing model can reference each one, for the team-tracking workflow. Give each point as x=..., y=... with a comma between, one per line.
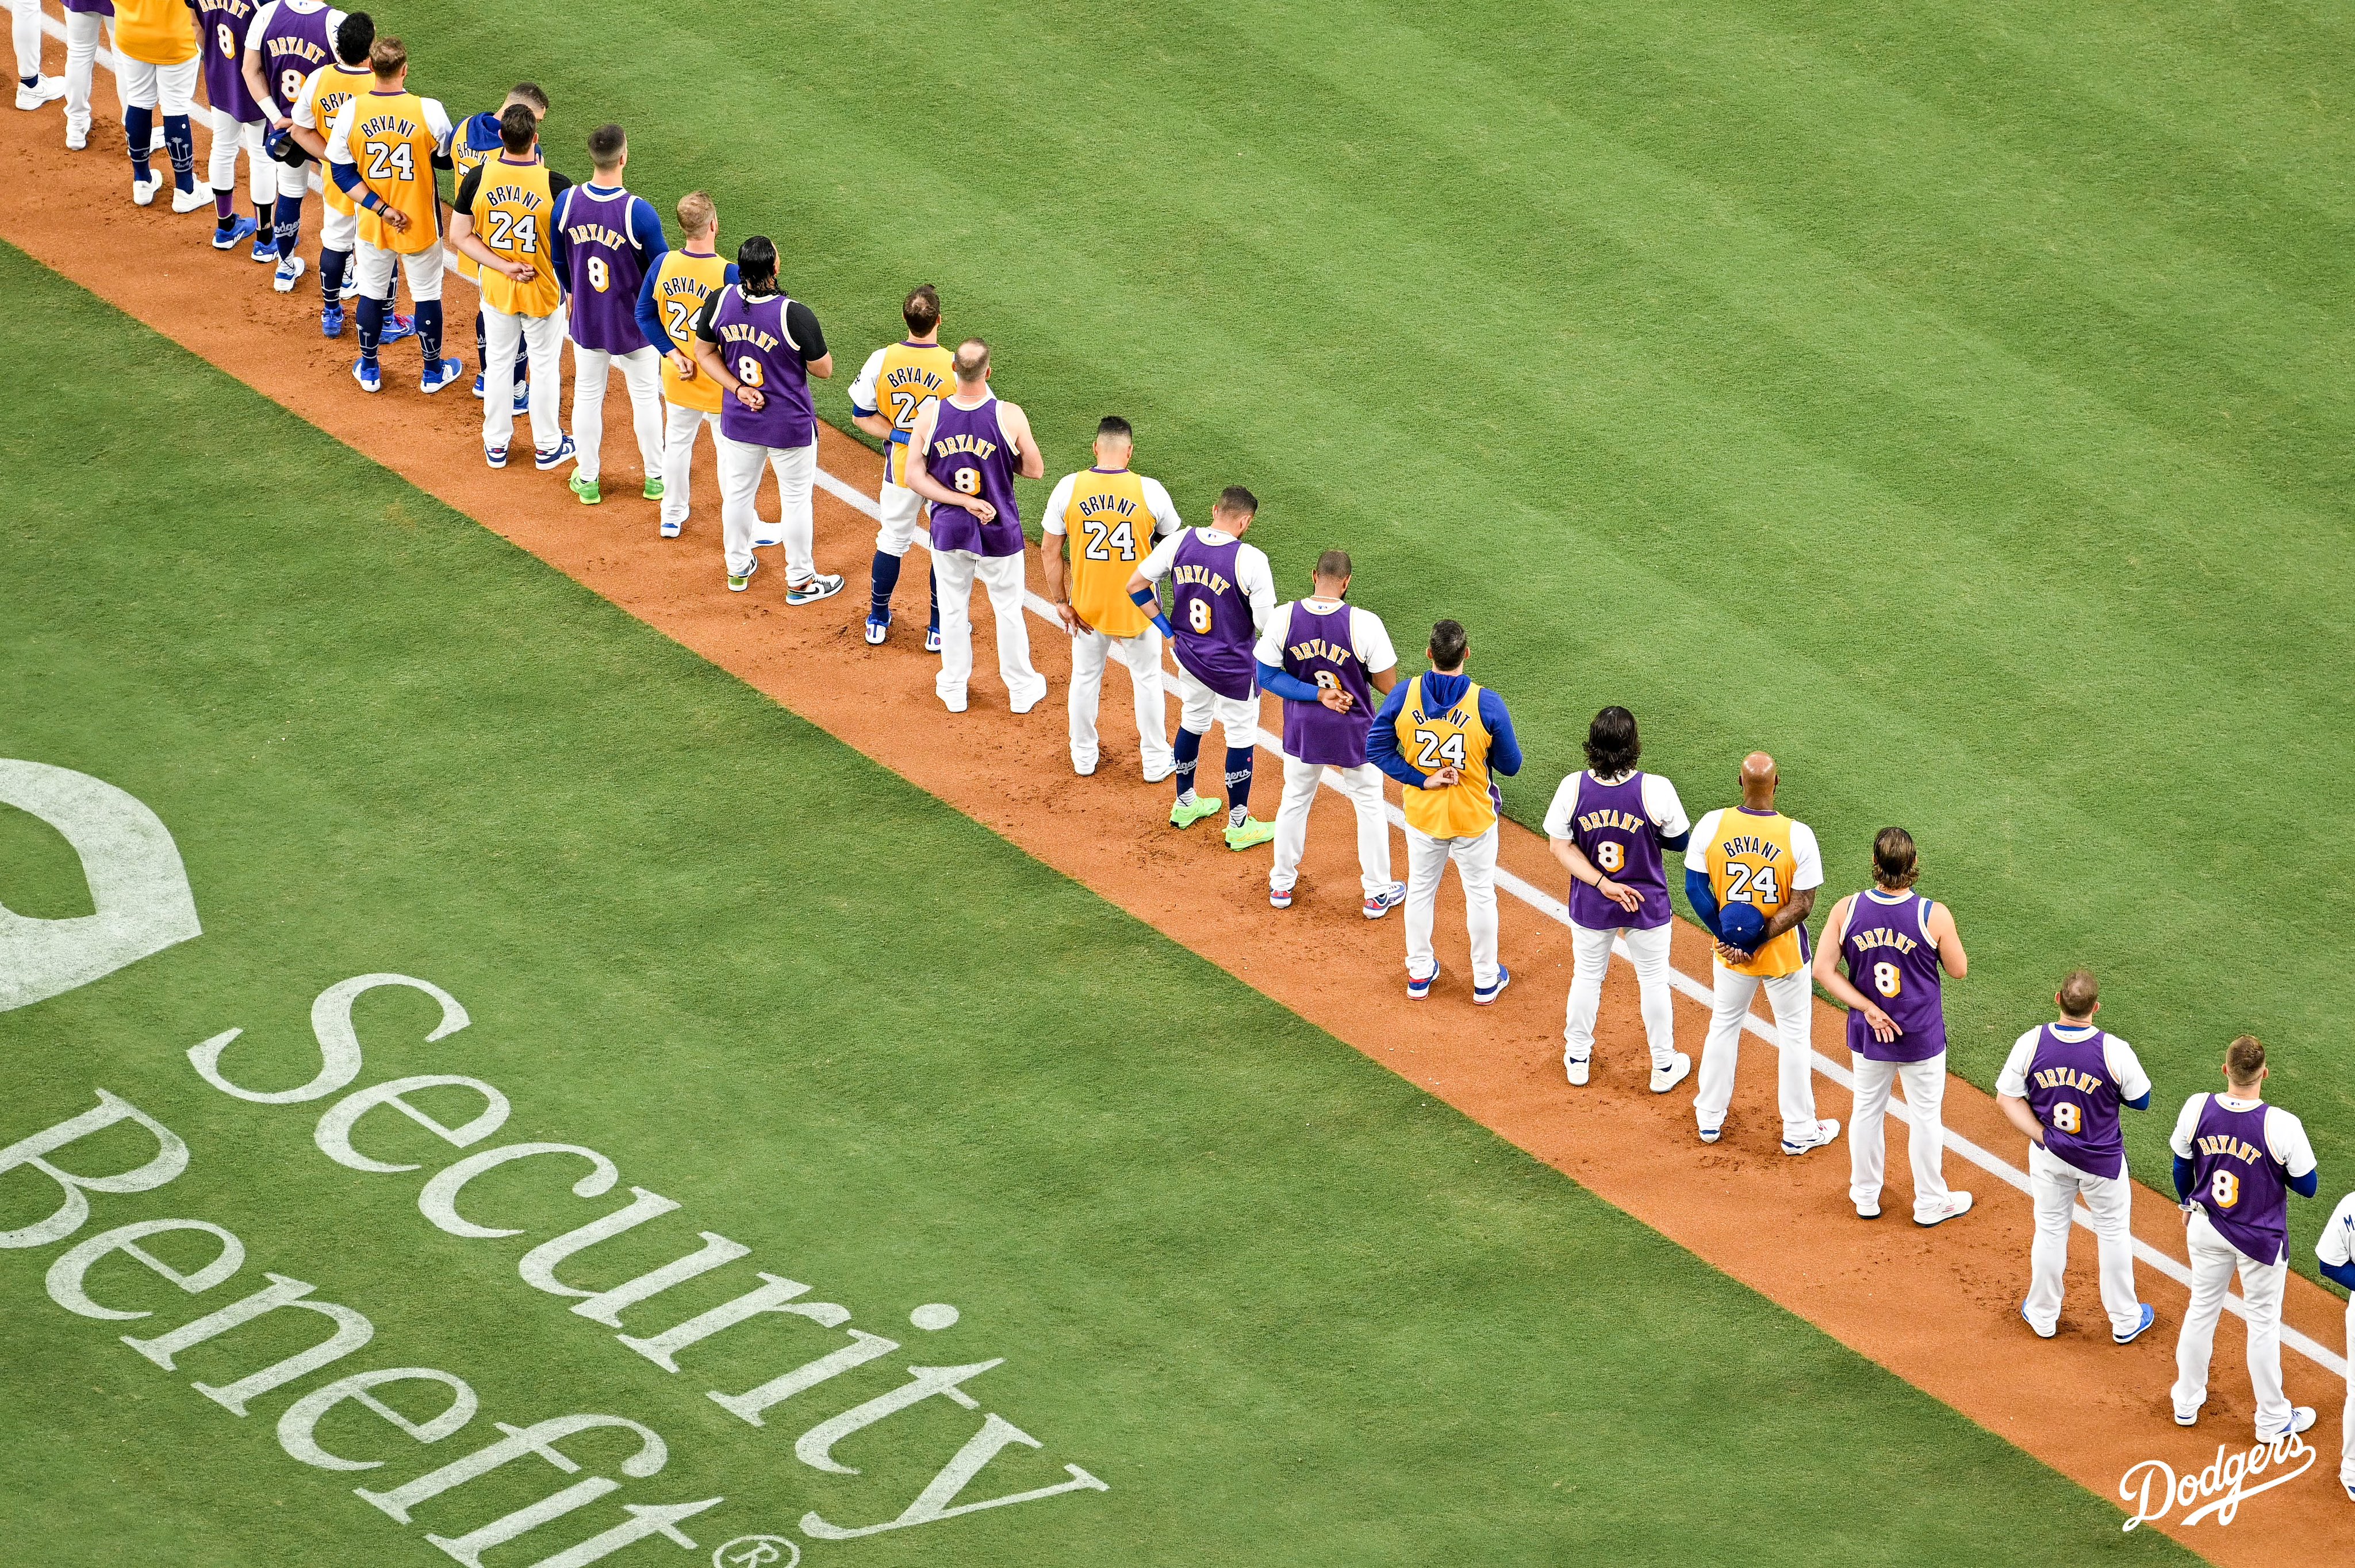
x=1938, y=1308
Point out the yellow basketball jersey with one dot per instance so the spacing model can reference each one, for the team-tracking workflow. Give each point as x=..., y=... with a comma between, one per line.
x=1452, y=738
x=155, y=32
x=332, y=86
x=464, y=160
x=683, y=280
x=512, y=215
x=393, y=148
x=912, y=374
x=1111, y=530
x=1750, y=861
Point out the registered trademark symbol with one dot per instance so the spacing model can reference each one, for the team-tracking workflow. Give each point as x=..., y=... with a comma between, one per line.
x=757, y=1552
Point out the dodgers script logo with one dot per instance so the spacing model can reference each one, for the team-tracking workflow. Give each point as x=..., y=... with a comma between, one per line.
x=2156, y=1490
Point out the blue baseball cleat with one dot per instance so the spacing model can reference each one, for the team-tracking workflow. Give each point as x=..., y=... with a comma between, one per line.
x=522, y=398
x=2149, y=1316
x=1483, y=998
x=239, y=229
x=440, y=374
x=1416, y=990
x=555, y=456
x=265, y=245
x=370, y=376
x=396, y=327
x=331, y=321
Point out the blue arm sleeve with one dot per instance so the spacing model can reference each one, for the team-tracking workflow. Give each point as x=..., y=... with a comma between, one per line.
x=1679, y=842
x=347, y=179
x=2340, y=1273
x=2307, y=1185
x=2142, y=1104
x=1382, y=741
x=2182, y=1178
x=1291, y=688
x=646, y=228
x=650, y=316
x=1704, y=901
x=1504, y=746
x=729, y=278
x=1146, y=599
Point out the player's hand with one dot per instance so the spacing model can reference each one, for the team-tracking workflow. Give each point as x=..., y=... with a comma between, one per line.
x=1884, y=1028
x=1733, y=956
x=1626, y=897
x=1448, y=777
x=1072, y=624
x=682, y=364
x=983, y=511
x=520, y=271
x=750, y=397
x=1334, y=698
x=394, y=219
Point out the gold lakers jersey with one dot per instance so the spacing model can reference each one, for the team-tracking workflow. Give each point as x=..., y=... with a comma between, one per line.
x=330, y=88
x=392, y=142
x=512, y=213
x=465, y=159
x=683, y=280
x=911, y=376
x=155, y=32
x=1111, y=529
x=1750, y=862
x=1456, y=738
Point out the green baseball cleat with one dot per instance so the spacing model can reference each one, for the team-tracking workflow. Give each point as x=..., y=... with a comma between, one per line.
x=1183, y=816
x=1252, y=832
x=586, y=489
x=654, y=490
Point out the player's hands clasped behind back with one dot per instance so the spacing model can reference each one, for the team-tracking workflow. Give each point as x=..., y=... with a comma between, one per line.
x=1334, y=698
x=1884, y=1028
x=1619, y=892
x=398, y=221
x=684, y=362
x=750, y=396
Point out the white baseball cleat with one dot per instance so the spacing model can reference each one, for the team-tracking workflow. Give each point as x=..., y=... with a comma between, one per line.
x=1024, y=705
x=1868, y=1210
x=1679, y=1069
x=1826, y=1130
x=2300, y=1419
x=192, y=199
x=1377, y=904
x=767, y=541
x=1580, y=1068
x=143, y=192
x=2047, y=1333
x=290, y=269
x=1711, y=1134
x=1956, y=1204
x=2190, y=1420
x=77, y=135
x=44, y=89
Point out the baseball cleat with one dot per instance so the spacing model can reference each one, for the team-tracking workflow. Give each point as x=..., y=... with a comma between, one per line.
x=1870, y=1210
x=555, y=456
x=670, y=530
x=738, y=584
x=1483, y=998
x=1416, y=990
x=192, y=199
x=2149, y=1316
x=654, y=490
x=239, y=229
x=813, y=589
x=395, y=325
x=44, y=89
x=143, y=191
x=1024, y=705
x=441, y=372
x=1169, y=770
x=1084, y=770
x=478, y=386
x=1826, y=1130
x=290, y=271
x=586, y=489
x=1377, y=904
x=1186, y=813
x=265, y=243
x=77, y=136
x=1710, y=1134
x=1679, y=1069
x=370, y=376
x=1279, y=898
x=2047, y=1333
x=2299, y=1420
x=1578, y=1068
x=957, y=704
x=767, y=541
x=931, y=640
x=495, y=456
x=331, y=321
x=1957, y=1205
x=2190, y=1420
x=1249, y=833
x=876, y=631
x=522, y=404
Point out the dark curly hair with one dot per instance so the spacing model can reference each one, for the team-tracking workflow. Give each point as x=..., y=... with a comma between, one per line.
x=1611, y=744
x=1894, y=859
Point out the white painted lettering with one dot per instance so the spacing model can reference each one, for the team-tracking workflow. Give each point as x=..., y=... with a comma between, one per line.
x=352, y=1330
x=607, y=1306
x=138, y=889
x=469, y=1548
x=66, y=1275
x=539, y=1266
x=815, y=1447
x=933, y=1502
x=298, y=1428
x=659, y=1519
x=864, y=1348
x=334, y=1135
x=776, y=1295
x=438, y=1201
x=540, y=1437
x=171, y=1159
x=339, y=1043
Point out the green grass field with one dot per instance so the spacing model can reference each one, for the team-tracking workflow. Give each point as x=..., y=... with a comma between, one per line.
x=1954, y=403
x=1287, y=1308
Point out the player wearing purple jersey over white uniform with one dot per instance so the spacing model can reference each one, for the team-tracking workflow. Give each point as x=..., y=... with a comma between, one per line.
x=762, y=348
x=1609, y=827
x=33, y=89
x=1896, y=945
x=1222, y=599
x=287, y=41
x=962, y=457
x=2237, y=1160
x=612, y=240
x=237, y=123
x=2064, y=1085
x=1326, y=659
x=87, y=23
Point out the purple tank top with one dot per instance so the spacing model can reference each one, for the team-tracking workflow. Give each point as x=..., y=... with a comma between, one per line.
x=971, y=455
x=220, y=33
x=606, y=268
x=750, y=337
x=2237, y=1181
x=295, y=45
x=1316, y=649
x=91, y=8
x=1612, y=830
x=2070, y=1090
x=1212, y=615
x=1891, y=960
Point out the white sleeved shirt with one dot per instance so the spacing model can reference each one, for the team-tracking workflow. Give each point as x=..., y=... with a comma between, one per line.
x=2336, y=1246
x=1660, y=804
x=1253, y=574
x=2126, y=1068
x=1806, y=862
x=862, y=391
x=1369, y=639
x=2284, y=1134
x=1165, y=520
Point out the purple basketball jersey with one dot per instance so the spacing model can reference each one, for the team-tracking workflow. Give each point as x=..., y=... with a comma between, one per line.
x=2244, y=1190
x=1612, y=830
x=91, y=8
x=750, y=337
x=1316, y=648
x=1212, y=615
x=220, y=33
x=606, y=268
x=1891, y=960
x=2070, y=1089
x=971, y=455
x=295, y=45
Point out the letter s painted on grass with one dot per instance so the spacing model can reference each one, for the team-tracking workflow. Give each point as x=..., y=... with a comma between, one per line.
x=138, y=887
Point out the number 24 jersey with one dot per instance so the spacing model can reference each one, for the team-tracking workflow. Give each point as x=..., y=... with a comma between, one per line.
x=1764, y=859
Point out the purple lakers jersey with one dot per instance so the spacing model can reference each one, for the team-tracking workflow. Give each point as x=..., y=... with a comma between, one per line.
x=1212, y=615
x=2070, y=1091
x=750, y=337
x=1316, y=648
x=295, y=45
x=606, y=268
x=971, y=455
x=1612, y=830
x=220, y=33
x=1890, y=959
x=2237, y=1180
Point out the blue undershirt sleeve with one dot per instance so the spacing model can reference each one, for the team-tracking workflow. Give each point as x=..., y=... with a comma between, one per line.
x=1679, y=842
x=1147, y=600
x=2307, y=1185
x=646, y=228
x=2142, y=1104
x=347, y=179
x=729, y=278
x=650, y=316
x=1291, y=688
x=1504, y=746
x=1703, y=900
x=2182, y=1178
x=2340, y=1273
x=1382, y=745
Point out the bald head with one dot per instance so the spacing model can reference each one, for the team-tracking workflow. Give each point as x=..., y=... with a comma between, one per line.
x=1758, y=776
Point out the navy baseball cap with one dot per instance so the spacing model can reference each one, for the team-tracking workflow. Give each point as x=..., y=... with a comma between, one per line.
x=1740, y=926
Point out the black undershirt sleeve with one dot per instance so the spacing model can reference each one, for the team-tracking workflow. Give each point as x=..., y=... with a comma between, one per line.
x=802, y=322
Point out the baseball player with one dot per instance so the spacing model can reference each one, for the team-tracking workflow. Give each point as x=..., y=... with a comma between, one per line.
x=1445, y=738
x=1751, y=874
x=1896, y=942
x=612, y=240
x=474, y=142
x=2237, y=1160
x=2064, y=1085
x=382, y=151
x=33, y=89
x=963, y=456
x=669, y=301
x=88, y=22
x=2335, y=1251
x=898, y=382
x=1327, y=658
x=1222, y=599
x=156, y=64
x=237, y=123
x=505, y=218
x=325, y=93
x=1109, y=517
x=762, y=348
x=285, y=42
x=1609, y=826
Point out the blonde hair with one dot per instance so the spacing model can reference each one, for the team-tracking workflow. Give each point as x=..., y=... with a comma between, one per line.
x=387, y=58
x=2244, y=1058
x=697, y=215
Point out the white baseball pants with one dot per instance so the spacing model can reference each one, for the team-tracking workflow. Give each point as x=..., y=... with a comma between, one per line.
x=1925, y=1142
x=337, y=230
x=1589, y=960
x=2055, y=1186
x=372, y=276
x=2347, y=1422
x=2213, y=1261
x=1475, y=868
x=1789, y=999
x=903, y=513
x=543, y=342
x=1001, y=575
x=642, y=375
x=229, y=136
x=144, y=86
x=24, y=33
x=84, y=29
x=1363, y=785
x=679, y=425
x=1141, y=656
x=1199, y=707
x=740, y=463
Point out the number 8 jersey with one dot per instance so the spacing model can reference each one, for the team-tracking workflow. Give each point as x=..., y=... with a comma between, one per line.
x=1892, y=959
x=1761, y=859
